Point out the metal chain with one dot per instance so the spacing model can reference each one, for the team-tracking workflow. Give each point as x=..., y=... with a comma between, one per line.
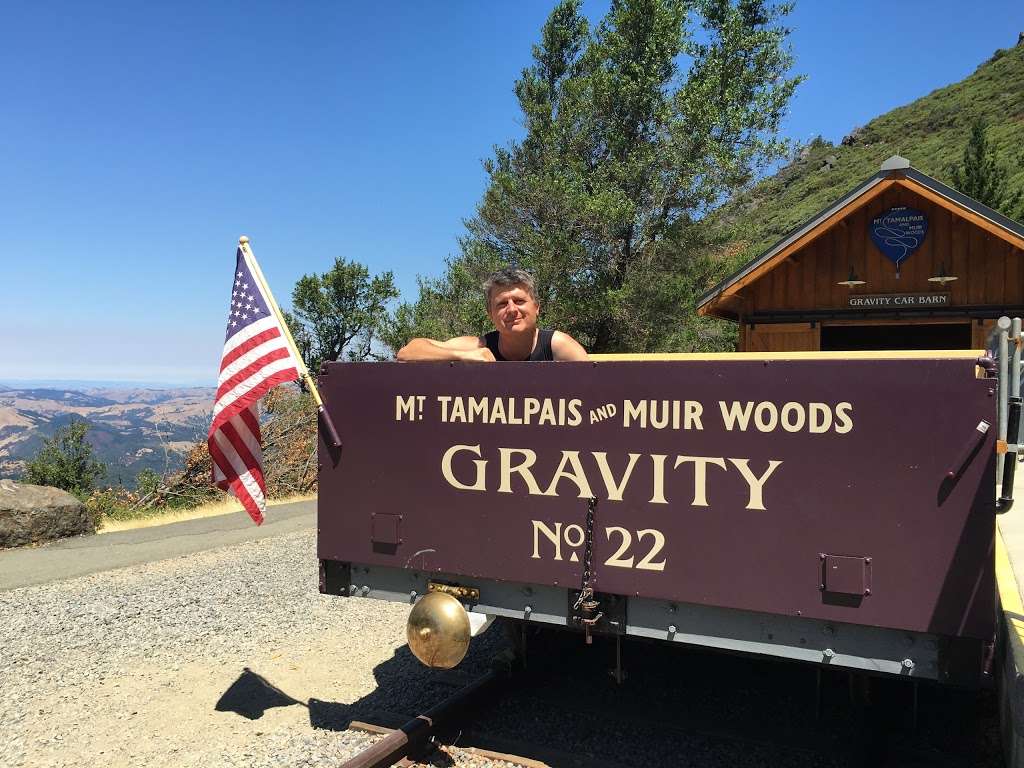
x=586, y=588
x=588, y=551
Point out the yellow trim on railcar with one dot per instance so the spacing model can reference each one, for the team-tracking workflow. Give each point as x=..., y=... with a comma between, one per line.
x=1009, y=591
x=896, y=354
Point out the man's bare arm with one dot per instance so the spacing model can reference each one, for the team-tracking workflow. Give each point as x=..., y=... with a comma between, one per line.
x=565, y=347
x=466, y=348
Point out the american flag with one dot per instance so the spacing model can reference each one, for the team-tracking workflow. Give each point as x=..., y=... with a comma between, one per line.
x=256, y=359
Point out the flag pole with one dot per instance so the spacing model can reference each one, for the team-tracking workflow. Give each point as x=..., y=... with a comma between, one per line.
x=243, y=243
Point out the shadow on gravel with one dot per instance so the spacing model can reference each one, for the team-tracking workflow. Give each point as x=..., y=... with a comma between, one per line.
x=405, y=688
x=678, y=706
x=251, y=695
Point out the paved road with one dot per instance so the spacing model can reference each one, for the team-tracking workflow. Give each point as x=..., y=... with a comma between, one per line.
x=82, y=555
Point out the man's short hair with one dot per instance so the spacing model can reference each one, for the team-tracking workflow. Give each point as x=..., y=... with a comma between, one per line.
x=506, y=278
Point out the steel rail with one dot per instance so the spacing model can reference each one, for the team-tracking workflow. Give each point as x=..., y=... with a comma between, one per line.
x=415, y=734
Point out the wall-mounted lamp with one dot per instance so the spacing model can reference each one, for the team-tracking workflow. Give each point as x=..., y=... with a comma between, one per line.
x=852, y=280
x=942, y=278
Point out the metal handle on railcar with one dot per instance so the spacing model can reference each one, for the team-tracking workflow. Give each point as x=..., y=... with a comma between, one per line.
x=1008, y=436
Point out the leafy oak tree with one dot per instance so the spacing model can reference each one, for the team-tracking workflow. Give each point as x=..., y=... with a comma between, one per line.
x=634, y=130
x=340, y=314
x=981, y=176
x=65, y=461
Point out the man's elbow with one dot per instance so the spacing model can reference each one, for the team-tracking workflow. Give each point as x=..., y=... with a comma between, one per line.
x=405, y=354
x=416, y=349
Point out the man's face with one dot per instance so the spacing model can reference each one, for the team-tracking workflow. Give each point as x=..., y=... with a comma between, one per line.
x=513, y=310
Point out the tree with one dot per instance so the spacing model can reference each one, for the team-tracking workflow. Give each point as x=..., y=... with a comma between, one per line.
x=634, y=131
x=340, y=313
x=450, y=305
x=981, y=176
x=66, y=461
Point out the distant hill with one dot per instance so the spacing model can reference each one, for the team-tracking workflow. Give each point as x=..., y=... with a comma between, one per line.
x=132, y=428
x=931, y=132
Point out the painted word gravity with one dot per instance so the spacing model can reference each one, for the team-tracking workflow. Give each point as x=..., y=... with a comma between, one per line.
x=634, y=476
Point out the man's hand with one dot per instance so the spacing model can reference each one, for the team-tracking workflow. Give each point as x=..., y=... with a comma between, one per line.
x=468, y=348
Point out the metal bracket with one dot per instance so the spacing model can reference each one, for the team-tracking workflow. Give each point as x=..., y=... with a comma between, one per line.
x=599, y=614
x=335, y=577
x=471, y=594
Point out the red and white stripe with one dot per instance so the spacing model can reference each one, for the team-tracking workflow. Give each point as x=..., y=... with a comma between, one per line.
x=255, y=360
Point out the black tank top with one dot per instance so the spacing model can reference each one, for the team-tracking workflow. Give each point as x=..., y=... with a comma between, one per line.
x=541, y=351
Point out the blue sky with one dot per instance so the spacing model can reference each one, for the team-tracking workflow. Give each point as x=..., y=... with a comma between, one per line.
x=139, y=140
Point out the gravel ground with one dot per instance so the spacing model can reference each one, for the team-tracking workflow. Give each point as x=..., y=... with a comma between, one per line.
x=130, y=666
x=230, y=657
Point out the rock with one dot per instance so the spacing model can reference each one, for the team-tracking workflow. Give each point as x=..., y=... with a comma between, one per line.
x=35, y=513
x=851, y=138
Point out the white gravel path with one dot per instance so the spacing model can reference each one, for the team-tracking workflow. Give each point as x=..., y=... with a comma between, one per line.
x=127, y=667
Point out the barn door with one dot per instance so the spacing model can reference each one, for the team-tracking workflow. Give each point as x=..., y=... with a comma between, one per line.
x=781, y=337
x=980, y=331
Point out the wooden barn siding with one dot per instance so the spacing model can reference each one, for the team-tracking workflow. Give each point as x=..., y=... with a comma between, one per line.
x=781, y=337
x=989, y=269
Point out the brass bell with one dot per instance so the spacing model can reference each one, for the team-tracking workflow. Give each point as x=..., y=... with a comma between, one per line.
x=438, y=631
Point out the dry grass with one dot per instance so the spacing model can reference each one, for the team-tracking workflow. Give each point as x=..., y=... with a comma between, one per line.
x=213, y=509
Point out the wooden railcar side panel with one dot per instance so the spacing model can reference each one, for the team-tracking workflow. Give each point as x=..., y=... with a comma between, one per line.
x=738, y=518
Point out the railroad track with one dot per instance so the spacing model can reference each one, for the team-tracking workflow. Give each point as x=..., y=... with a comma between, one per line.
x=489, y=748
x=459, y=743
x=550, y=716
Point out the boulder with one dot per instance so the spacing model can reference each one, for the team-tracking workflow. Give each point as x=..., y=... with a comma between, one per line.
x=853, y=137
x=33, y=513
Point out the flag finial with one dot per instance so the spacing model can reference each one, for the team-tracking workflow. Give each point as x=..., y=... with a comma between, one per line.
x=243, y=240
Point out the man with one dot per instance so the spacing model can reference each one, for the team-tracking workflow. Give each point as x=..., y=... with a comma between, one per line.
x=512, y=306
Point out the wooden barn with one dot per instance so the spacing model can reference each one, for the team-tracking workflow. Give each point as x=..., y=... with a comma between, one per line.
x=901, y=262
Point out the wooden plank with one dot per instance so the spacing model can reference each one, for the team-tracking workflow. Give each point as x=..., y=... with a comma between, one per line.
x=892, y=321
x=755, y=343
x=1014, y=287
x=809, y=264
x=919, y=265
x=856, y=253
x=835, y=264
x=822, y=277
x=976, y=262
x=940, y=230
x=961, y=268
x=995, y=273
x=778, y=276
x=794, y=283
x=989, y=226
x=755, y=297
x=980, y=331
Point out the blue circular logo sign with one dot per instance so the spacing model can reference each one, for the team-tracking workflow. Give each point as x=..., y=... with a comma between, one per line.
x=898, y=232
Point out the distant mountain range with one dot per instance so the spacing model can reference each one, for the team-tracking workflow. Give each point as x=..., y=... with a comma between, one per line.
x=131, y=428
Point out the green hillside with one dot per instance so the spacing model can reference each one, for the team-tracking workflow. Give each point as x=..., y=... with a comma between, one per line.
x=931, y=132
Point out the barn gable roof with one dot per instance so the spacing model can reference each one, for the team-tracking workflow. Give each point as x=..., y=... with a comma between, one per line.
x=895, y=171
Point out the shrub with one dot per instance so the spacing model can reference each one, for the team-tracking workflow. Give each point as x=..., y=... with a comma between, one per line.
x=112, y=504
x=65, y=461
